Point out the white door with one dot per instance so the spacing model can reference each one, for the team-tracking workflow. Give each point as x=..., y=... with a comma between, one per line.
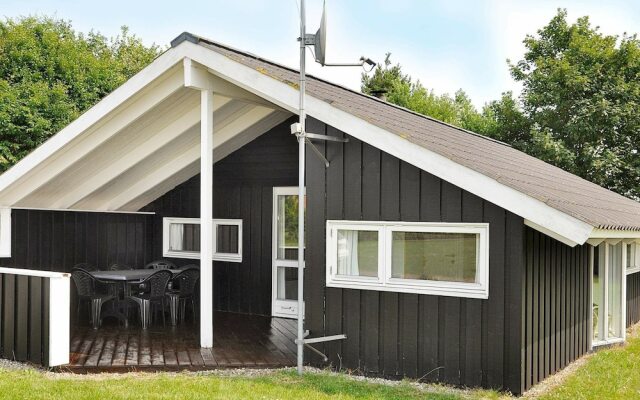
x=608, y=293
x=285, y=252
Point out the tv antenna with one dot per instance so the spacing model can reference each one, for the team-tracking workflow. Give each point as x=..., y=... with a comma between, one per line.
x=319, y=43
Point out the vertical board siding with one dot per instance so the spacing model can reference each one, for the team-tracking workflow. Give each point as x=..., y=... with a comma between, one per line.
x=633, y=299
x=243, y=185
x=25, y=320
x=555, y=325
x=58, y=240
x=454, y=340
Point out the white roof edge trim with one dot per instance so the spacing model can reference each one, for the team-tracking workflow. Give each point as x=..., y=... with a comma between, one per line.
x=34, y=272
x=84, y=210
x=613, y=234
x=551, y=234
x=543, y=216
x=160, y=65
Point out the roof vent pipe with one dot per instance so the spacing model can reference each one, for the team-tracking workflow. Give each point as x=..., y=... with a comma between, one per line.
x=380, y=94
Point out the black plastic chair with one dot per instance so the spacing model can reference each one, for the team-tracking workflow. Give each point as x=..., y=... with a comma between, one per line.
x=85, y=266
x=185, y=282
x=119, y=267
x=189, y=266
x=90, y=291
x=155, y=288
x=160, y=264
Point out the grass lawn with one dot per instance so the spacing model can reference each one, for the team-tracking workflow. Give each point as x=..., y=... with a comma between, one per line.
x=277, y=385
x=608, y=374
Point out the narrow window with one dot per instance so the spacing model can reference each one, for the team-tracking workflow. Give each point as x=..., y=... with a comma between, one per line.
x=633, y=258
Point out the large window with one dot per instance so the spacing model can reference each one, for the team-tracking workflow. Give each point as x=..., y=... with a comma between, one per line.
x=431, y=258
x=181, y=238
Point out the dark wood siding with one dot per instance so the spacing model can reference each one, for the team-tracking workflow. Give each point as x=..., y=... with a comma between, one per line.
x=24, y=317
x=242, y=188
x=557, y=309
x=58, y=240
x=455, y=340
x=633, y=298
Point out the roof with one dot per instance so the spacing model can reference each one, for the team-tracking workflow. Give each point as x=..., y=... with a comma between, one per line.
x=565, y=192
x=142, y=140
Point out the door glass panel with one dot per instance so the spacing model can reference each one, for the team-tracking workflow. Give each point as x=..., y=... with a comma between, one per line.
x=287, y=228
x=614, y=317
x=287, y=283
x=598, y=293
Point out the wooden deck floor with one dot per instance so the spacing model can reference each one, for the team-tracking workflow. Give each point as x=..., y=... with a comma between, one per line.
x=239, y=341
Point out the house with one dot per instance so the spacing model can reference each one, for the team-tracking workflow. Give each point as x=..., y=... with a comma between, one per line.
x=440, y=254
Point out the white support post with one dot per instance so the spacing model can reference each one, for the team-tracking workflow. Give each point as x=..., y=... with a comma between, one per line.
x=206, y=216
x=59, y=317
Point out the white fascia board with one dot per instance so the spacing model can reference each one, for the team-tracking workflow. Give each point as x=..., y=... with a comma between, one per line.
x=614, y=234
x=550, y=233
x=533, y=210
x=109, y=103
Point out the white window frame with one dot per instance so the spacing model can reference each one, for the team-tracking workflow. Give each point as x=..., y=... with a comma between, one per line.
x=217, y=256
x=384, y=281
x=5, y=232
x=633, y=257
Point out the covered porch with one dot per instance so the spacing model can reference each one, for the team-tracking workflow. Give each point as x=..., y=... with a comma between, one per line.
x=177, y=144
x=241, y=341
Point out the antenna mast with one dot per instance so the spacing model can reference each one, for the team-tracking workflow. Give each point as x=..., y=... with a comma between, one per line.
x=299, y=129
x=301, y=189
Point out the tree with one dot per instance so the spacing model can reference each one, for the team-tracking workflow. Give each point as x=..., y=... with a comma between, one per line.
x=401, y=90
x=579, y=108
x=50, y=74
x=581, y=90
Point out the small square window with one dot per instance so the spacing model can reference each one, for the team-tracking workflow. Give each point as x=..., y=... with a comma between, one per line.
x=181, y=239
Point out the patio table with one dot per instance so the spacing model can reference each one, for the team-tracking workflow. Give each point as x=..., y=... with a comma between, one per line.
x=126, y=277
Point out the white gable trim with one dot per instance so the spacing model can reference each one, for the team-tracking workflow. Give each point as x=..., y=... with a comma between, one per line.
x=125, y=92
x=536, y=212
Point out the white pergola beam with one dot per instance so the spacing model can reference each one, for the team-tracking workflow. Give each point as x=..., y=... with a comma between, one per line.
x=71, y=153
x=199, y=77
x=224, y=131
x=120, y=164
x=227, y=141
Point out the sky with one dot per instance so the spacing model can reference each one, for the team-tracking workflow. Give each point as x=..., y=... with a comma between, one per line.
x=447, y=45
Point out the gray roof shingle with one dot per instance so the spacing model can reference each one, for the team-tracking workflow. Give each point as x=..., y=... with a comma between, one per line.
x=557, y=188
